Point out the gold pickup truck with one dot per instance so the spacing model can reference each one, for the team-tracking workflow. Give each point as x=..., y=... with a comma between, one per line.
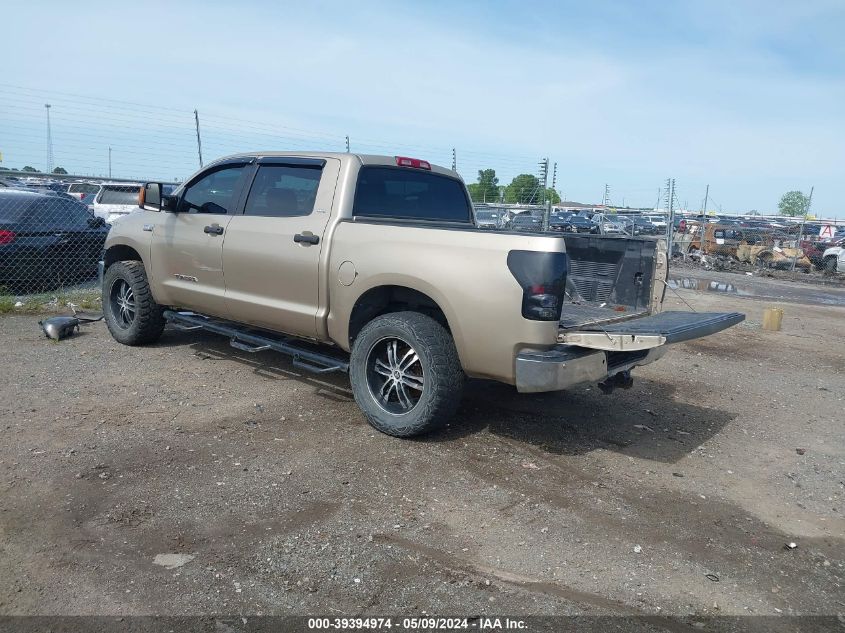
x=373, y=265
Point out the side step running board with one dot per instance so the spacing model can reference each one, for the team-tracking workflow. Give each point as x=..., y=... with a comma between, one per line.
x=248, y=340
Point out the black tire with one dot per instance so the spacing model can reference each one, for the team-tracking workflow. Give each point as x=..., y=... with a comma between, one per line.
x=437, y=370
x=830, y=264
x=125, y=283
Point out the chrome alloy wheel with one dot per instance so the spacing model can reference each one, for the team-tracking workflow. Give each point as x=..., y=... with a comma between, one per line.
x=122, y=301
x=395, y=375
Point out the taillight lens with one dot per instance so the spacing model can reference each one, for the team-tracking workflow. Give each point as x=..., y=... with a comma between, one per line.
x=6, y=237
x=543, y=280
x=404, y=161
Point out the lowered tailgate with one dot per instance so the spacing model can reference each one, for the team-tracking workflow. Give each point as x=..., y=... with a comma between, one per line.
x=651, y=331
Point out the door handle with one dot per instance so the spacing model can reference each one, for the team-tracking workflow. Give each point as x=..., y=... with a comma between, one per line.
x=306, y=238
x=214, y=229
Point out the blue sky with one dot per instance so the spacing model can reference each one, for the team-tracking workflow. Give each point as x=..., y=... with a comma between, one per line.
x=748, y=97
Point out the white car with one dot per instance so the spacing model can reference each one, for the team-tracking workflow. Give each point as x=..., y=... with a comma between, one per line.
x=657, y=220
x=834, y=259
x=80, y=190
x=116, y=200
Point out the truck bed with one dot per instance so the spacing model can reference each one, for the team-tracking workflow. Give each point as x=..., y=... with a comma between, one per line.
x=574, y=315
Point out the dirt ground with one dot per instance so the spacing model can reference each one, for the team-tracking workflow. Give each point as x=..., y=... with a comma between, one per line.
x=267, y=492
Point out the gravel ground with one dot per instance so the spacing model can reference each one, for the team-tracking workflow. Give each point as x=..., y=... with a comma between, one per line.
x=189, y=478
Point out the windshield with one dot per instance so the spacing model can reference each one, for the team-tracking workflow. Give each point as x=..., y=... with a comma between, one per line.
x=118, y=195
x=486, y=215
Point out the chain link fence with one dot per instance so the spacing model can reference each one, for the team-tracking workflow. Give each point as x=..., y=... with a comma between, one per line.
x=50, y=242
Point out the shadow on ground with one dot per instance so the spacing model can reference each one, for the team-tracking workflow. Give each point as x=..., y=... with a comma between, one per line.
x=646, y=421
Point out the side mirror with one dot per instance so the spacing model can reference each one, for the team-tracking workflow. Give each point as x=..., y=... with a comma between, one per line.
x=149, y=197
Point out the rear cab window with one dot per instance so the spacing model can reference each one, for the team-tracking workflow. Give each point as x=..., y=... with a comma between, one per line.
x=410, y=194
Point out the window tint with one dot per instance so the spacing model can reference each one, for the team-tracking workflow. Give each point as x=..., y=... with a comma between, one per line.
x=83, y=187
x=58, y=213
x=214, y=192
x=12, y=208
x=119, y=195
x=283, y=191
x=413, y=194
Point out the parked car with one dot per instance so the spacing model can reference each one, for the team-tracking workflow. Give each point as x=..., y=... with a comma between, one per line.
x=393, y=278
x=486, y=219
x=608, y=225
x=526, y=222
x=81, y=189
x=659, y=221
x=47, y=241
x=644, y=226
x=116, y=200
x=834, y=259
x=579, y=224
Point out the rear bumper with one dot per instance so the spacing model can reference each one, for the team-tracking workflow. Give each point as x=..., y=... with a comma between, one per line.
x=565, y=366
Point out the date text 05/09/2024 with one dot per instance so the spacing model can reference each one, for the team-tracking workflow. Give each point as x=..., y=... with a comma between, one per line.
x=417, y=623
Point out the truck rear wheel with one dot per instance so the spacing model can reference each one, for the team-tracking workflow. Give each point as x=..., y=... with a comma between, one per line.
x=405, y=373
x=132, y=315
x=830, y=264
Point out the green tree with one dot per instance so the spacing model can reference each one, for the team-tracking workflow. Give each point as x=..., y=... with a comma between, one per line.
x=552, y=195
x=60, y=170
x=524, y=189
x=487, y=187
x=793, y=203
x=29, y=168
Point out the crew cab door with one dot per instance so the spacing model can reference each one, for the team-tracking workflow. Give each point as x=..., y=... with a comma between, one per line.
x=186, y=257
x=271, y=253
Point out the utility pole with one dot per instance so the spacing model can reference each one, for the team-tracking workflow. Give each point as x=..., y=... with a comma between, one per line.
x=706, y=198
x=47, y=106
x=544, y=177
x=199, y=141
x=454, y=161
x=347, y=143
x=801, y=231
x=554, y=177
x=109, y=161
x=605, y=201
x=670, y=225
x=544, y=183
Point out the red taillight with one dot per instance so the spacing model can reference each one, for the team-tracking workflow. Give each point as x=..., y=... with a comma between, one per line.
x=404, y=161
x=538, y=290
x=682, y=226
x=7, y=237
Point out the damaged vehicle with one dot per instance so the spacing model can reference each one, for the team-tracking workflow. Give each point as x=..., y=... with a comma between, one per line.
x=374, y=266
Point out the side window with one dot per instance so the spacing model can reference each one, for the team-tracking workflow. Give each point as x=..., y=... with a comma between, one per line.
x=283, y=191
x=213, y=193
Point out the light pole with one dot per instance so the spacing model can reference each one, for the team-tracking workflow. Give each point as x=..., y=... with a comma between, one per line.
x=49, y=141
x=109, y=161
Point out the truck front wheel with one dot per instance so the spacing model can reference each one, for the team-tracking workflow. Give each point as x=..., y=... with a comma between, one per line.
x=405, y=373
x=132, y=315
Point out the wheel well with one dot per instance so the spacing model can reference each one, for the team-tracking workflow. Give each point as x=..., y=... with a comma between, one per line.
x=385, y=299
x=119, y=253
